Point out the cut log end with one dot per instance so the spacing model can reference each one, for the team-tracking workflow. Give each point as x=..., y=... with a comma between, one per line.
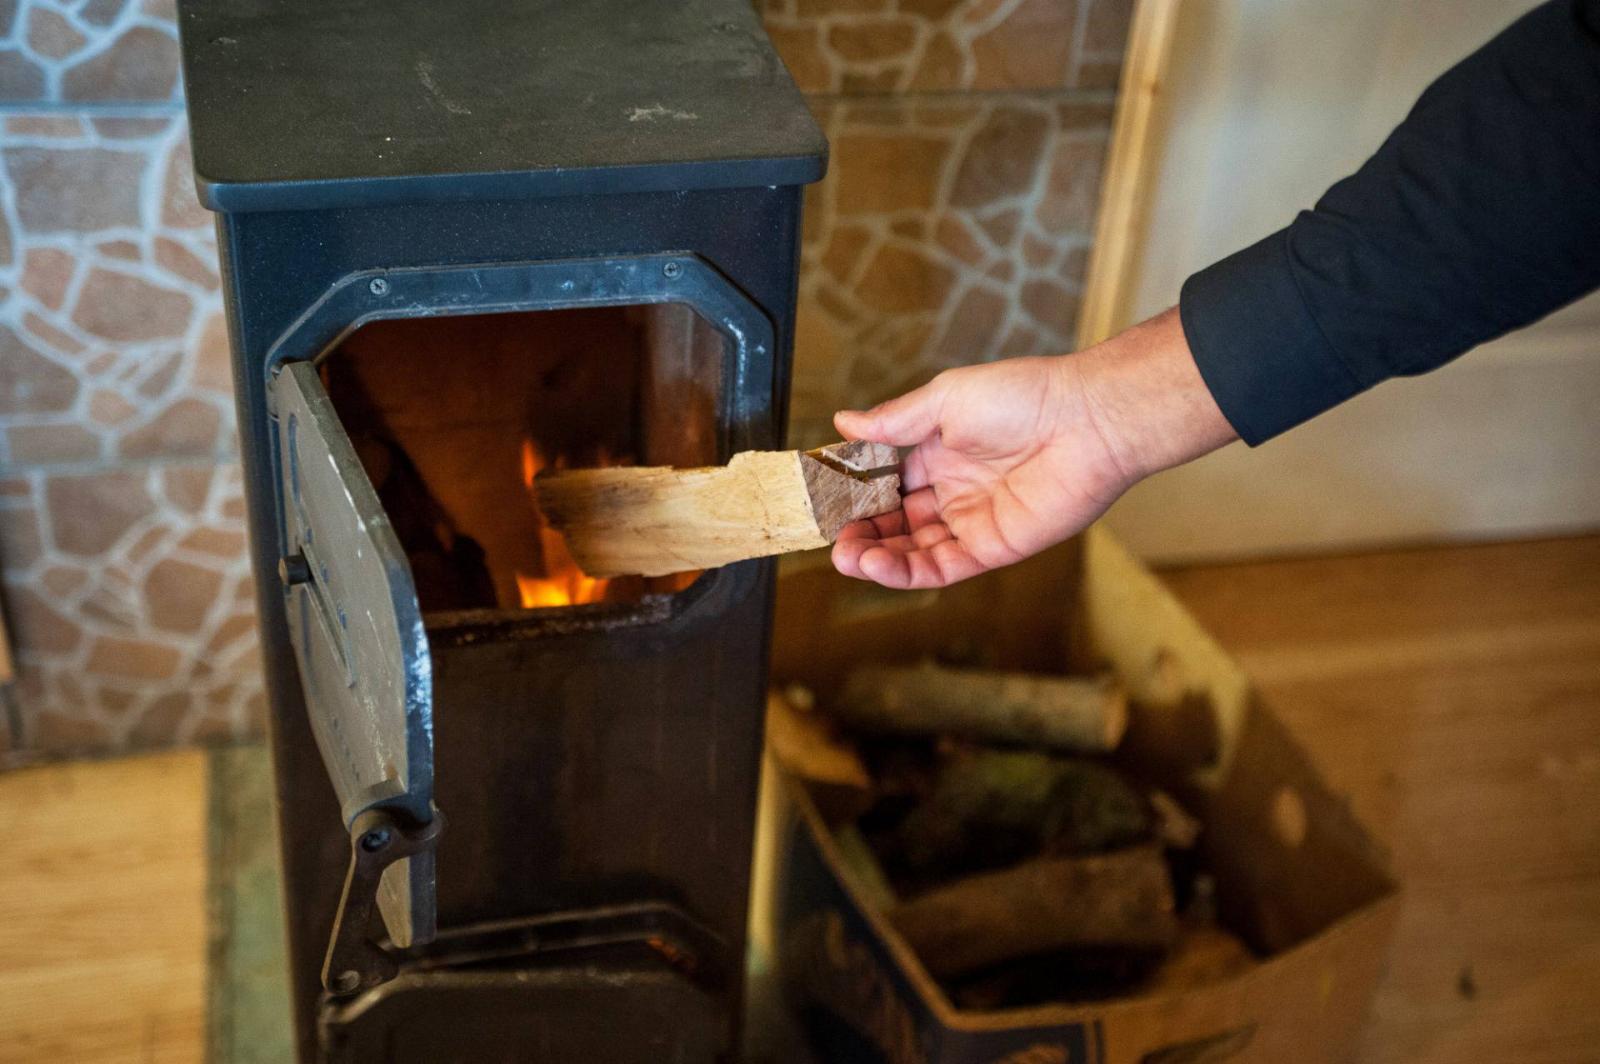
x=845, y=483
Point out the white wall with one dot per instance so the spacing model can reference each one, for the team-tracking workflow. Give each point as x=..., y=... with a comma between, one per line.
x=1267, y=103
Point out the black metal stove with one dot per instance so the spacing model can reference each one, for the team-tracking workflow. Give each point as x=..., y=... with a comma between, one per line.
x=450, y=232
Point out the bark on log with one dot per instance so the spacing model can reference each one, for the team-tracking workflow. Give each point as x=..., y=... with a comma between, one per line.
x=652, y=521
x=1086, y=714
x=992, y=808
x=1121, y=900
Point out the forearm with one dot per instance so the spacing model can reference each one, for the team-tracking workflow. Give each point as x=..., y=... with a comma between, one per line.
x=1148, y=399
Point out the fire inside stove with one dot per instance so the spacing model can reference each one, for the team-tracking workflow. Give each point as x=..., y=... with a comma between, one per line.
x=454, y=417
x=561, y=582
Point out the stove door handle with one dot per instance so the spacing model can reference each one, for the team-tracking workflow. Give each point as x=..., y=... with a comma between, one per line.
x=378, y=838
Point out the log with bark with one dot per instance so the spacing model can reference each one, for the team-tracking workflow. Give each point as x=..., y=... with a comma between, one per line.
x=1119, y=900
x=1087, y=714
x=990, y=808
x=652, y=521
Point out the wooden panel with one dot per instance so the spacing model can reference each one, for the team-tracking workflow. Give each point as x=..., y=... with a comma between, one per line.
x=1131, y=164
x=103, y=940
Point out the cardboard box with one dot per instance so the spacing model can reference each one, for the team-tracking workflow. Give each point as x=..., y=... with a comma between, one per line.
x=1298, y=878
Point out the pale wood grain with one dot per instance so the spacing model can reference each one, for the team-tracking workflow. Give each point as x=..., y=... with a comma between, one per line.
x=1131, y=164
x=809, y=748
x=652, y=521
x=103, y=941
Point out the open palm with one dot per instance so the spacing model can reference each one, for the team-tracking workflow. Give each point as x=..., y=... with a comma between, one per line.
x=1006, y=459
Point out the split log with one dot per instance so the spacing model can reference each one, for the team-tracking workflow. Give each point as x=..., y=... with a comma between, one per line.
x=804, y=744
x=1086, y=714
x=1119, y=900
x=652, y=521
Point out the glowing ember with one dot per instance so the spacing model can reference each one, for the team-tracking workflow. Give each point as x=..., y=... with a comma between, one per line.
x=562, y=583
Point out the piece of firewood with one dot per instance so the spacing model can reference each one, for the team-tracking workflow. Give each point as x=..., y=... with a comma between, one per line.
x=1118, y=900
x=652, y=521
x=992, y=808
x=804, y=743
x=1175, y=826
x=1087, y=714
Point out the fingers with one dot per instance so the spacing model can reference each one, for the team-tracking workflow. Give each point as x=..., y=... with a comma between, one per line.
x=928, y=556
x=904, y=421
x=940, y=565
x=916, y=510
x=880, y=527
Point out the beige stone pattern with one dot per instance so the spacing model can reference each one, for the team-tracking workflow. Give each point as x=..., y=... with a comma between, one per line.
x=93, y=52
x=882, y=46
x=949, y=230
x=111, y=339
x=130, y=593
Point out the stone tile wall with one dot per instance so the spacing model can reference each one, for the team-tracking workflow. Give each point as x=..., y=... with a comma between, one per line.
x=967, y=142
x=122, y=538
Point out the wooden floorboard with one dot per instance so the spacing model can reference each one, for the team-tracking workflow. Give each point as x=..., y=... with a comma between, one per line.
x=103, y=933
x=1454, y=696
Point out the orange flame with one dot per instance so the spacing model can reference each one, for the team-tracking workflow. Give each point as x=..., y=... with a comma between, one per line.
x=562, y=583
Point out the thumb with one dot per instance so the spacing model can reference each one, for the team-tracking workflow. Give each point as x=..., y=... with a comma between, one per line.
x=903, y=422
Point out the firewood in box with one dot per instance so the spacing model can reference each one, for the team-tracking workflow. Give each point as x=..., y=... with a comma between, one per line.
x=989, y=808
x=805, y=744
x=650, y=521
x=1072, y=713
x=1121, y=900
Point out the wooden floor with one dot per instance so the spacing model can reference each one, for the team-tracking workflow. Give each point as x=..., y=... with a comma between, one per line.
x=1453, y=694
x=103, y=932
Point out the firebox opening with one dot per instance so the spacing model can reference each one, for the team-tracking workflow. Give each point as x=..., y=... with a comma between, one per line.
x=452, y=417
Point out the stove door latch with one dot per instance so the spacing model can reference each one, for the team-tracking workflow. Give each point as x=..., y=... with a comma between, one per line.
x=378, y=838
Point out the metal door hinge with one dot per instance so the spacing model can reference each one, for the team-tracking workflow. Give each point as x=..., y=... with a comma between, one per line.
x=378, y=838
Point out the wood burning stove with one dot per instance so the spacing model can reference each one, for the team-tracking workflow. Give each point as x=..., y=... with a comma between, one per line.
x=460, y=241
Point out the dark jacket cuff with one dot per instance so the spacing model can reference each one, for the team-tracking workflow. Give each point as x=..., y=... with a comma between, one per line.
x=1258, y=348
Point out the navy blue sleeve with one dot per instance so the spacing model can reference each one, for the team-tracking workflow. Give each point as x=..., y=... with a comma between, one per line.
x=1478, y=215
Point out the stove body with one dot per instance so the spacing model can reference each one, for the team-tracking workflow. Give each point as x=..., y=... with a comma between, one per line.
x=508, y=833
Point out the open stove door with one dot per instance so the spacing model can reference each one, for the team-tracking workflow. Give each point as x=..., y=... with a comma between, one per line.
x=357, y=631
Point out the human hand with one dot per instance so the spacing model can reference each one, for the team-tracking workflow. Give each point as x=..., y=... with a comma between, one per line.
x=1010, y=457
